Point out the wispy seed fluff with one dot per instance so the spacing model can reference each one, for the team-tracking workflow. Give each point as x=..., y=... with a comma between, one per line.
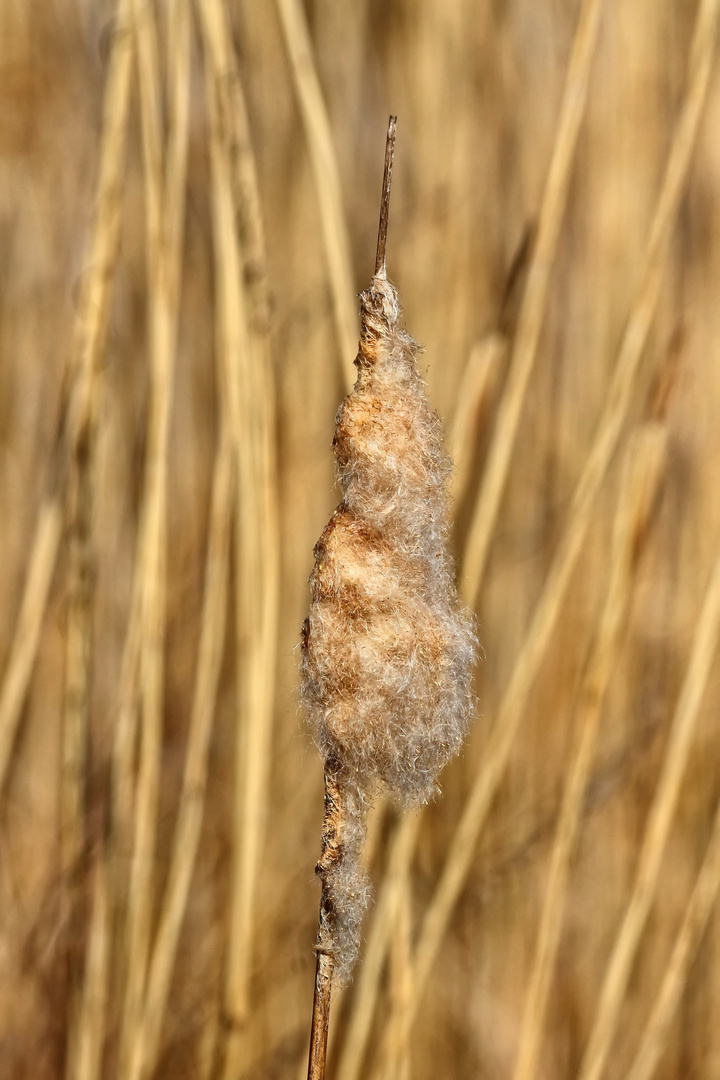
x=388, y=651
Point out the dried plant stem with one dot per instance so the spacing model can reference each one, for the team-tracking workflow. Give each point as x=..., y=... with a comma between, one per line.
x=243, y=346
x=86, y=1062
x=699, y=909
x=234, y=132
x=475, y=395
x=165, y=210
x=192, y=797
x=76, y=721
x=657, y=829
x=88, y=346
x=524, y=349
x=385, y=198
x=43, y=556
x=396, y=1060
x=333, y=830
x=327, y=179
x=644, y=465
x=509, y=716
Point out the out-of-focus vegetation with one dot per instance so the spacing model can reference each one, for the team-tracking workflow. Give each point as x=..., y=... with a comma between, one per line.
x=188, y=203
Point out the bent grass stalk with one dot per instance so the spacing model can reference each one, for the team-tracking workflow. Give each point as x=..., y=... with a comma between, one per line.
x=644, y=466
x=460, y=857
x=244, y=348
x=192, y=797
x=657, y=830
x=165, y=212
x=326, y=174
x=695, y=920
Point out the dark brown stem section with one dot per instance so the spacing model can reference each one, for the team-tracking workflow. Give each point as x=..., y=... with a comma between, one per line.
x=385, y=199
x=332, y=853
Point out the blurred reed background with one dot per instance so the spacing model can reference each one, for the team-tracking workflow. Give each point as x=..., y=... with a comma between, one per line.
x=188, y=205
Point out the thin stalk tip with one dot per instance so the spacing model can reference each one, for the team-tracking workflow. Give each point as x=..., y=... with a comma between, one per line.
x=385, y=198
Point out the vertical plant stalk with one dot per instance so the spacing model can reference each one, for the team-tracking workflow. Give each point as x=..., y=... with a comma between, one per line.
x=86, y=1062
x=165, y=176
x=334, y=826
x=507, y=723
x=76, y=720
x=644, y=466
x=146, y=1047
x=88, y=345
x=323, y=158
x=243, y=344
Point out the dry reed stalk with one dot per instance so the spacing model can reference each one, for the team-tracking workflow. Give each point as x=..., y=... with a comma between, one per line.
x=475, y=395
x=530, y=319
x=88, y=345
x=645, y=462
x=397, y=1061
x=86, y=1062
x=234, y=129
x=76, y=718
x=76, y=703
x=509, y=716
x=316, y=123
x=400, y=853
x=657, y=829
x=23, y=651
x=243, y=341
x=695, y=920
x=192, y=797
x=165, y=212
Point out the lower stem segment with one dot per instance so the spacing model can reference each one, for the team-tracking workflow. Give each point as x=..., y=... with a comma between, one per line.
x=332, y=853
x=320, y=1017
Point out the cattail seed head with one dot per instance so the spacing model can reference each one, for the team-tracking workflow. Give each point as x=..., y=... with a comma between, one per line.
x=387, y=650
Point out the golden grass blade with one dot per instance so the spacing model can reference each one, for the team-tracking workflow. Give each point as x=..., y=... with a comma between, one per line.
x=192, y=798
x=510, y=712
x=88, y=345
x=235, y=128
x=86, y=1063
x=474, y=397
x=78, y=646
x=27, y=634
x=524, y=349
x=75, y=736
x=644, y=465
x=327, y=180
x=248, y=386
x=699, y=909
x=165, y=201
x=657, y=830
x=397, y=1062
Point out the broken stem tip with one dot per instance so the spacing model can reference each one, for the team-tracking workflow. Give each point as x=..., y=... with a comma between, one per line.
x=385, y=199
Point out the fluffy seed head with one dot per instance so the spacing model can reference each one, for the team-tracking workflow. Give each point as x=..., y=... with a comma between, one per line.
x=387, y=650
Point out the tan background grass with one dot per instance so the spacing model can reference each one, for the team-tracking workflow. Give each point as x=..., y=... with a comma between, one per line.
x=193, y=369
